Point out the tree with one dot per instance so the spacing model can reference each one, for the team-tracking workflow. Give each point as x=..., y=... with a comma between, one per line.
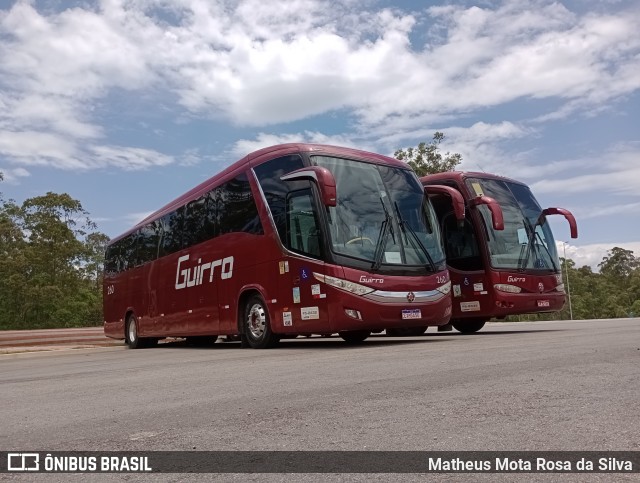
x=50, y=264
x=619, y=263
x=427, y=159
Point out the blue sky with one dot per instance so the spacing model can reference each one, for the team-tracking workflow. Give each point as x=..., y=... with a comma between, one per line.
x=126, y=104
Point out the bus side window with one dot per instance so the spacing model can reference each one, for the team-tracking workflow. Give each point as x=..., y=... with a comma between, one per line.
x=303, y=235
x=237, y=210
x=172, y=229
x=274, y=189
x=461, y=244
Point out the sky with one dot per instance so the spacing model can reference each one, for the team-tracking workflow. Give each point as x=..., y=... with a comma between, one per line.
x=126, y=104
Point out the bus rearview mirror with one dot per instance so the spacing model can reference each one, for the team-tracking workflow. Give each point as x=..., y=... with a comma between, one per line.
x=457, y=201
x=322, y=177
x=496, y=212
x=573, y=227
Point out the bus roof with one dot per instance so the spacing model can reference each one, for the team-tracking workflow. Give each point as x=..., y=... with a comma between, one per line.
x=253, y=159
x=460, y=176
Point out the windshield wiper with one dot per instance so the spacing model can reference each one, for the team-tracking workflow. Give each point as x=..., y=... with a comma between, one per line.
x=405, y=227
x=386, y=228
x=532, y=234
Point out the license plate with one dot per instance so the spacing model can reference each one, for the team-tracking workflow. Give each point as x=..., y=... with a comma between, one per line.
x=411, y=314
x=543, y=303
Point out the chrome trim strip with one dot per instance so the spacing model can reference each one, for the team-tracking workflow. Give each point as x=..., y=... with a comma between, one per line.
x=397, y=297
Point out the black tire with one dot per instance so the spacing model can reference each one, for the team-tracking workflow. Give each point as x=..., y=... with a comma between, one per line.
x=469, y=326
x=256, y=325
x=202, y=340
x=131, y=335
x=354, y=336
x=406, y=332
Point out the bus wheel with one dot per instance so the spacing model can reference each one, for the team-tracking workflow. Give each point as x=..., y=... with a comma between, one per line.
x=354, y=336
x=468, y=326
x=406, y=332
x=131, y=333
x=257, y=328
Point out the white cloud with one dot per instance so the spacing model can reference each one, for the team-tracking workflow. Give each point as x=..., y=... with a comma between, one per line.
x=128, y=158
x=591, y=255
x=616, y=171
x=12, y=175
x=243, y=147
x=259, y=63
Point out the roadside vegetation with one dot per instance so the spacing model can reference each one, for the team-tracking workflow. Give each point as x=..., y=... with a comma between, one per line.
x=51, y=261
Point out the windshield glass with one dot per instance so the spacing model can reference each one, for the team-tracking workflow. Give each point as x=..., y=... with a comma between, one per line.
x=524, y=243
x=382, y=215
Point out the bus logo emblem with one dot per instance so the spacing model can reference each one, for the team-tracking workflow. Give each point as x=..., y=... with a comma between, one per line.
x=411, y=297
x=540, y=287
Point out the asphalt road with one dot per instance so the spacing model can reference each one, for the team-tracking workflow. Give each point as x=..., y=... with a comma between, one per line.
x=525, y=386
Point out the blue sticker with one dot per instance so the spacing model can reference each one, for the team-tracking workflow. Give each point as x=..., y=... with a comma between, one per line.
x=305, y=273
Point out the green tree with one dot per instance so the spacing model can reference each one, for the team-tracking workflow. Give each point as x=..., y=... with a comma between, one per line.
x=426, y=158
x=619, y=263
x=50, y=271
x=621, y=270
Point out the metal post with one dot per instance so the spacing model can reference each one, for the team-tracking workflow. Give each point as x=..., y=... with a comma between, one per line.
x=564, y=248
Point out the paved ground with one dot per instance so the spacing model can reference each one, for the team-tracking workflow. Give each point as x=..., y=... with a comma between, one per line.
x=527, y=386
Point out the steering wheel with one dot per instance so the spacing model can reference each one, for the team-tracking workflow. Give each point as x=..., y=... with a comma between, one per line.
x=359, y=239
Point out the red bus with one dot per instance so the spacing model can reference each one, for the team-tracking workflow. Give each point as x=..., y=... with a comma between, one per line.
x=503, y=258
x=292, y=239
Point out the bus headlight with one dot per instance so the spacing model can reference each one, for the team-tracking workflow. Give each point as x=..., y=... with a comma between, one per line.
x=346, y=285
x=504, y=287
x=560, y=288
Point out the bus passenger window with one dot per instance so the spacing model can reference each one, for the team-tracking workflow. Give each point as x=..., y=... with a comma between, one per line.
x=303, y=234
x=461, y=245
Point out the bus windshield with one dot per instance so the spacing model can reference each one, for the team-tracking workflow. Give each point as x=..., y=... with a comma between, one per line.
x=382, y=216
x=526, y=241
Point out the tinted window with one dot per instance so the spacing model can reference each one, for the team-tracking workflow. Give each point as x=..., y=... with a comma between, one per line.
x=172, y=232
x=111, y=259
x=303, y=234
x=275, y=190
x=237, y=211
x=150, y=236
x=199, y=221
x=129, y=251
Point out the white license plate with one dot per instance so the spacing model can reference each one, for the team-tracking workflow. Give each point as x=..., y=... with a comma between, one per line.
x=543, y=303
x=411, y=314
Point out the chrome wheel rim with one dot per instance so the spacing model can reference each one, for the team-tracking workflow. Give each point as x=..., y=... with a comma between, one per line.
x=133, y=334
x=256, y=320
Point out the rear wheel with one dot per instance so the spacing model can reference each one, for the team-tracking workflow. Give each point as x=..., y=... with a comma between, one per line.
x=406, y=332
x=354, y=336
x=131, y=333
x=133, y=340
x=468, y=326
x=257, y=327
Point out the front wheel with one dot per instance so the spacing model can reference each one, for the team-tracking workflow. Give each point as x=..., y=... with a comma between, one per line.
x=469, y=326
x=354, y=336
x=257, y=327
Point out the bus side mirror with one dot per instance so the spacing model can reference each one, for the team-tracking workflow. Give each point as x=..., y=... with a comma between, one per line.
x=321, y=176
x=494, y=208
x=457, y=201
x=567, y=214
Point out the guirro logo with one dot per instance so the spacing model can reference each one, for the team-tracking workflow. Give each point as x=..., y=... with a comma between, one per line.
x=184, y=277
